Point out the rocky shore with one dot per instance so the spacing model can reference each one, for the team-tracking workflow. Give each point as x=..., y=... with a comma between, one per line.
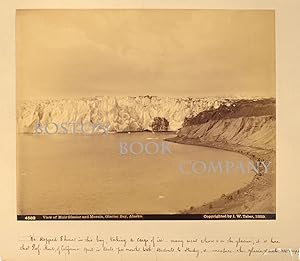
x=246, y=127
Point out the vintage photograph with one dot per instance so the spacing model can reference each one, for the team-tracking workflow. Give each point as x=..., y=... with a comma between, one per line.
x=145, y=114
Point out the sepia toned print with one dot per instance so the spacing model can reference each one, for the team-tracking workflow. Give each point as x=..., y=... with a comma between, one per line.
x=145, y=114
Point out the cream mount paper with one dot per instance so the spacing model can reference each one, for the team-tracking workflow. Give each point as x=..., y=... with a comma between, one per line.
x=276, y=231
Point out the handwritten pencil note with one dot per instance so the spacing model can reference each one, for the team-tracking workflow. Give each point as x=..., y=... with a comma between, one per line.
x=115, y=245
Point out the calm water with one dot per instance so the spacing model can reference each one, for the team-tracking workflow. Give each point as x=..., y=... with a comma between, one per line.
x=74, y=174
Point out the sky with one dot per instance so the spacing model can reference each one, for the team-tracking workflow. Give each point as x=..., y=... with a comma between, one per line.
x=85, y=53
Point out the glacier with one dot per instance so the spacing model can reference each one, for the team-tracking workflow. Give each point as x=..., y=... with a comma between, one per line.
x=120, y=113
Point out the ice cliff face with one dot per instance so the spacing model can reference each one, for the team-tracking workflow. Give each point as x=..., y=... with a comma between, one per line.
x=120, y=113
x=244, y=123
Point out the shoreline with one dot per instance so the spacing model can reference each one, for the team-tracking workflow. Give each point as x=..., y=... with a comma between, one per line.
x=256, y=197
